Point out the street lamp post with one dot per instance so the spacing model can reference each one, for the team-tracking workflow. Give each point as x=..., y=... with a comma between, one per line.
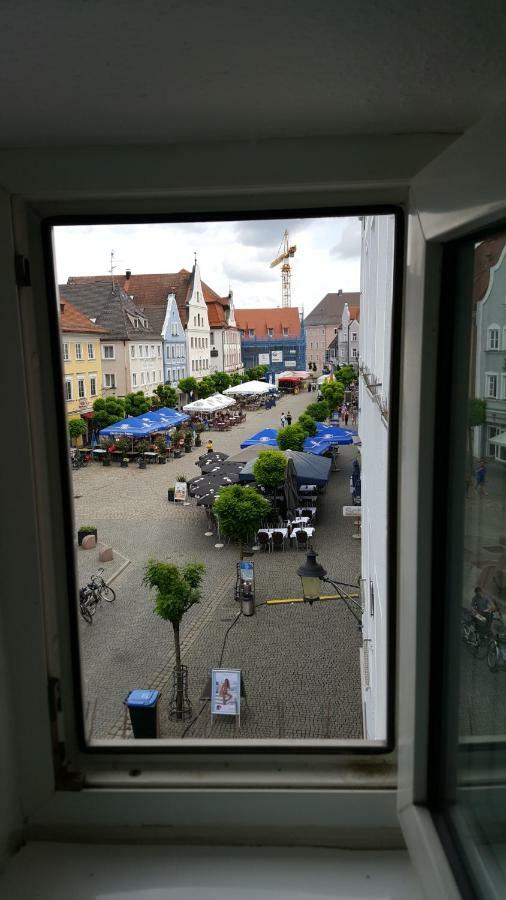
x=312, y=574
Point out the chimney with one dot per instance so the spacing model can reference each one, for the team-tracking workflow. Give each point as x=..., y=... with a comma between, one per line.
x=340, y=291
x=127, y=279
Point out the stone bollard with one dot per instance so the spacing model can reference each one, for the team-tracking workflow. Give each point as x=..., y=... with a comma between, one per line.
x=88, y=542
x=106, y=555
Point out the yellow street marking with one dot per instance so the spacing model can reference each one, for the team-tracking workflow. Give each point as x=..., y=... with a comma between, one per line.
x=301, y=599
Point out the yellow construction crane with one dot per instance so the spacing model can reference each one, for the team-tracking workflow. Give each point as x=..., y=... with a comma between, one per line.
x=284, y=254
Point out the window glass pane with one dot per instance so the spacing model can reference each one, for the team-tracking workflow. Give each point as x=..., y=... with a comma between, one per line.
x=310, y=670
x=474, y=651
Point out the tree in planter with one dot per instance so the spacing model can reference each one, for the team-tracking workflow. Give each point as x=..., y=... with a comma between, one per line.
x=291, y=438
x=333, y=394
x=307, y=423
x=240, y=512
x=318, y=411
x=178, y=589
x=255, y=373
x=206, y=387
x=77, y=428
x=124, y=444
x=136, y=404
x=221, y=381
x=107, y=411
x=235, y=379
x=269, y=470
x=164, y=395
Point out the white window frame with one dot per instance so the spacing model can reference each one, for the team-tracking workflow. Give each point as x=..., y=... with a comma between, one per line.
x=493, y=337
x=108, y=347
x=174, y=329
x=79, y=351
x=68, y=382
x=65, y=350
x=111, y=377
x=488, y=384
x=502, y=386
x=142, y=378
x=81, y=387
x=134, y=379
x=141, y=355
x=93, y=385
x=132, y=351
x=91, y=350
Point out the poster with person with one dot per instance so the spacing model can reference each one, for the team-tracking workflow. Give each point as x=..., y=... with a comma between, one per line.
x=226, y=692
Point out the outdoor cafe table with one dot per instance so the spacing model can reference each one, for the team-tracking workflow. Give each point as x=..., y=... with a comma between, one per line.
x=151, y=456
x=284, y=531
x=98, y=453
x=311, y=509
x=300, y=520
x=307, y=489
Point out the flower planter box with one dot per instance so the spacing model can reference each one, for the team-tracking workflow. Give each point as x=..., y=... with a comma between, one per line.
x=177, y=454
x=142, y=464
x=83, y=532
x=161, y=460
x=124, y=464
x=187, y=448
x=106, y=461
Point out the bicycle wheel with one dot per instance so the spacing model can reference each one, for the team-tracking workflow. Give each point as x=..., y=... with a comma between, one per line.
x=492, y=656
x=107, y=593
x=86, y=614
x=471, y=639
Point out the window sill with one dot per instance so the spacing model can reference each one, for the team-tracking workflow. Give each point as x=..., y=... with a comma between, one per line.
x=85, y=872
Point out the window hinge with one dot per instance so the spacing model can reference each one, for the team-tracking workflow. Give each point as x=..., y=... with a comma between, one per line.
x=22, y=269
x=66, y=779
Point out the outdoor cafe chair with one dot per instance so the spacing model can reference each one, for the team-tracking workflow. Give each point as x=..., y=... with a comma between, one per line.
x=306, y=513
x=278, y=540
x=264, y=540
x=302, y=539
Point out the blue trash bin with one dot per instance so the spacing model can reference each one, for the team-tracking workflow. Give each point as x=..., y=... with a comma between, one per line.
x=143, y=709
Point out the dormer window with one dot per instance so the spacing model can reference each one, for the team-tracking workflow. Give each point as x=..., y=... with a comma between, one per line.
x=251, y=332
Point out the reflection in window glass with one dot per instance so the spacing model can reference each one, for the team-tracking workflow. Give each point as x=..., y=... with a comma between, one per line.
x=482, y=708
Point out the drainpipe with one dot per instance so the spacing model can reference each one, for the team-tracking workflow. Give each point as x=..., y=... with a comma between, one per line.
x=349, y=324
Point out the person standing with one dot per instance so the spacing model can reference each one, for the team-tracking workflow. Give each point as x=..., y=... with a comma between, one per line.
x=289, y=418
x=210, y=446
x=346, y=418
x=480, y=476
x=283, y=420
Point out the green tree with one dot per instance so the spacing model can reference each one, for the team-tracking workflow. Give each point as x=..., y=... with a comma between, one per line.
x=205, y=387
x=308, y=424
x=255, y=373
x=477, y=415
x=188, y=385
x=318, y=411
x=164, y=395
x=346, y=374
x=269, y=469
x=77, y=428
x=136, y=404
x=177, y=589
x=236, y=379
x=333, y=393
x=221, y=381
x=291, y=438
x=107, y=411
x=240, y=512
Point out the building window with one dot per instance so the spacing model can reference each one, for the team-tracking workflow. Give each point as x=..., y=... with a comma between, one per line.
x=93, y=385
x=503, y=385
x=68, y=389
x=354, y=352
x=142, y=377
x=354, y=335
x=79, y=351
x=108, y=351
x=109, y=380
x=134, y=379
x=66, y=352
x=212, y=338
x=154, y=376
x=132, y=351
x=491, y=385
x=195, y=321
x=91, y=351
x=191, y=343
x=146, y=348
x=285, y=332
x=80, y=388
x=270, y=332
x=174, y=329
x=251, y=332
x=193, y=365
x=152, y=351
x=493, y=337
x=158, y=351
x=140, y=350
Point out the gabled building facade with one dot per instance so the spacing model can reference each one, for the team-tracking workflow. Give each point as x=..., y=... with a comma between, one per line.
x=225, y=338
x=322, y=325
x=490, y=374
x=272, y=337
x=82, y=362
x=131, y=350
x=174, y=343
x=348, y=337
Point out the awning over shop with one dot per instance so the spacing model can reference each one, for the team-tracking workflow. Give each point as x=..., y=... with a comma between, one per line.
x=146, y=424
x=211, y=404
x=249, y=387
x=499, y=440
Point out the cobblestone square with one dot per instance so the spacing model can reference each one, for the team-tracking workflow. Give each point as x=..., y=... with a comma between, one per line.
x=300, y=664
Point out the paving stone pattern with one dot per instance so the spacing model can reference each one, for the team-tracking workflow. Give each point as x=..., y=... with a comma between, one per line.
x=300, y=664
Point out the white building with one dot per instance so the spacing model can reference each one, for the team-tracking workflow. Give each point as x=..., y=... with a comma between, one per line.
x=348, y=336
x=198, y=333
x=225, y=335
x=375, y=312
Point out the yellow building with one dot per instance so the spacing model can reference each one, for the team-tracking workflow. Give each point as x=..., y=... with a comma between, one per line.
x=81, y=360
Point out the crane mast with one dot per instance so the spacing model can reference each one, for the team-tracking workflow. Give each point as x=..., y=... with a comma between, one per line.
x=285, y=252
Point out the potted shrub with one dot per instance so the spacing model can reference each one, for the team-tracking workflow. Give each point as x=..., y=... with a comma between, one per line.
x=170, y=494
x=177, y=437
x=83, y=530
x=188, y=442
x=199, y=428
x=124, y=462
x=107, y=459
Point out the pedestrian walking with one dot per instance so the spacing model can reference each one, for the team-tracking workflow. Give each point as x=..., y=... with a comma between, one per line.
x=346, y=415
x=283, y=420
x=480, y=476
x=289, y=418
x=210, y=446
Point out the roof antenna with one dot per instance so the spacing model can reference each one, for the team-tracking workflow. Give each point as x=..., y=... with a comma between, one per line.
x=111, y=270
x=195, y=255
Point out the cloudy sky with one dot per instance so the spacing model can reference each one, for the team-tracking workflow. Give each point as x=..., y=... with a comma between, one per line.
x=235, y=254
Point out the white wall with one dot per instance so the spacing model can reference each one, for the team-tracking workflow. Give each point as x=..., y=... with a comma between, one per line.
x=375, y=336
x=145, y=366
x=198, y=356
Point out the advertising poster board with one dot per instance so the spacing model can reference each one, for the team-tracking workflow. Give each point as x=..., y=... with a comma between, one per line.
x=263, y=359
x=277, y=356
x=246, y=570
x=290, y=363
x=355, y=511
x=226, y=692
x=180, y=490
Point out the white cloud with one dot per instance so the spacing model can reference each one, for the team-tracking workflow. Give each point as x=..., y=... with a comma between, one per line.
x=348, y=245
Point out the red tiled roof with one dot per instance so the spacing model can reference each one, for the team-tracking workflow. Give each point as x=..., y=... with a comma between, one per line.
x=354, y=312
x=262, y=319
x=73, y=320
x=486, y=256
x=152, y=290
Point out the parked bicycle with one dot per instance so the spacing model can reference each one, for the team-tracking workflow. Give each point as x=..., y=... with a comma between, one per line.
x=496, y=654
x=91, y=594
x=475, y=633
x=79, y=460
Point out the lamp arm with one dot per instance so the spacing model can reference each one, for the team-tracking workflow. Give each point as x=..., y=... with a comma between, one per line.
x=350, y=602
